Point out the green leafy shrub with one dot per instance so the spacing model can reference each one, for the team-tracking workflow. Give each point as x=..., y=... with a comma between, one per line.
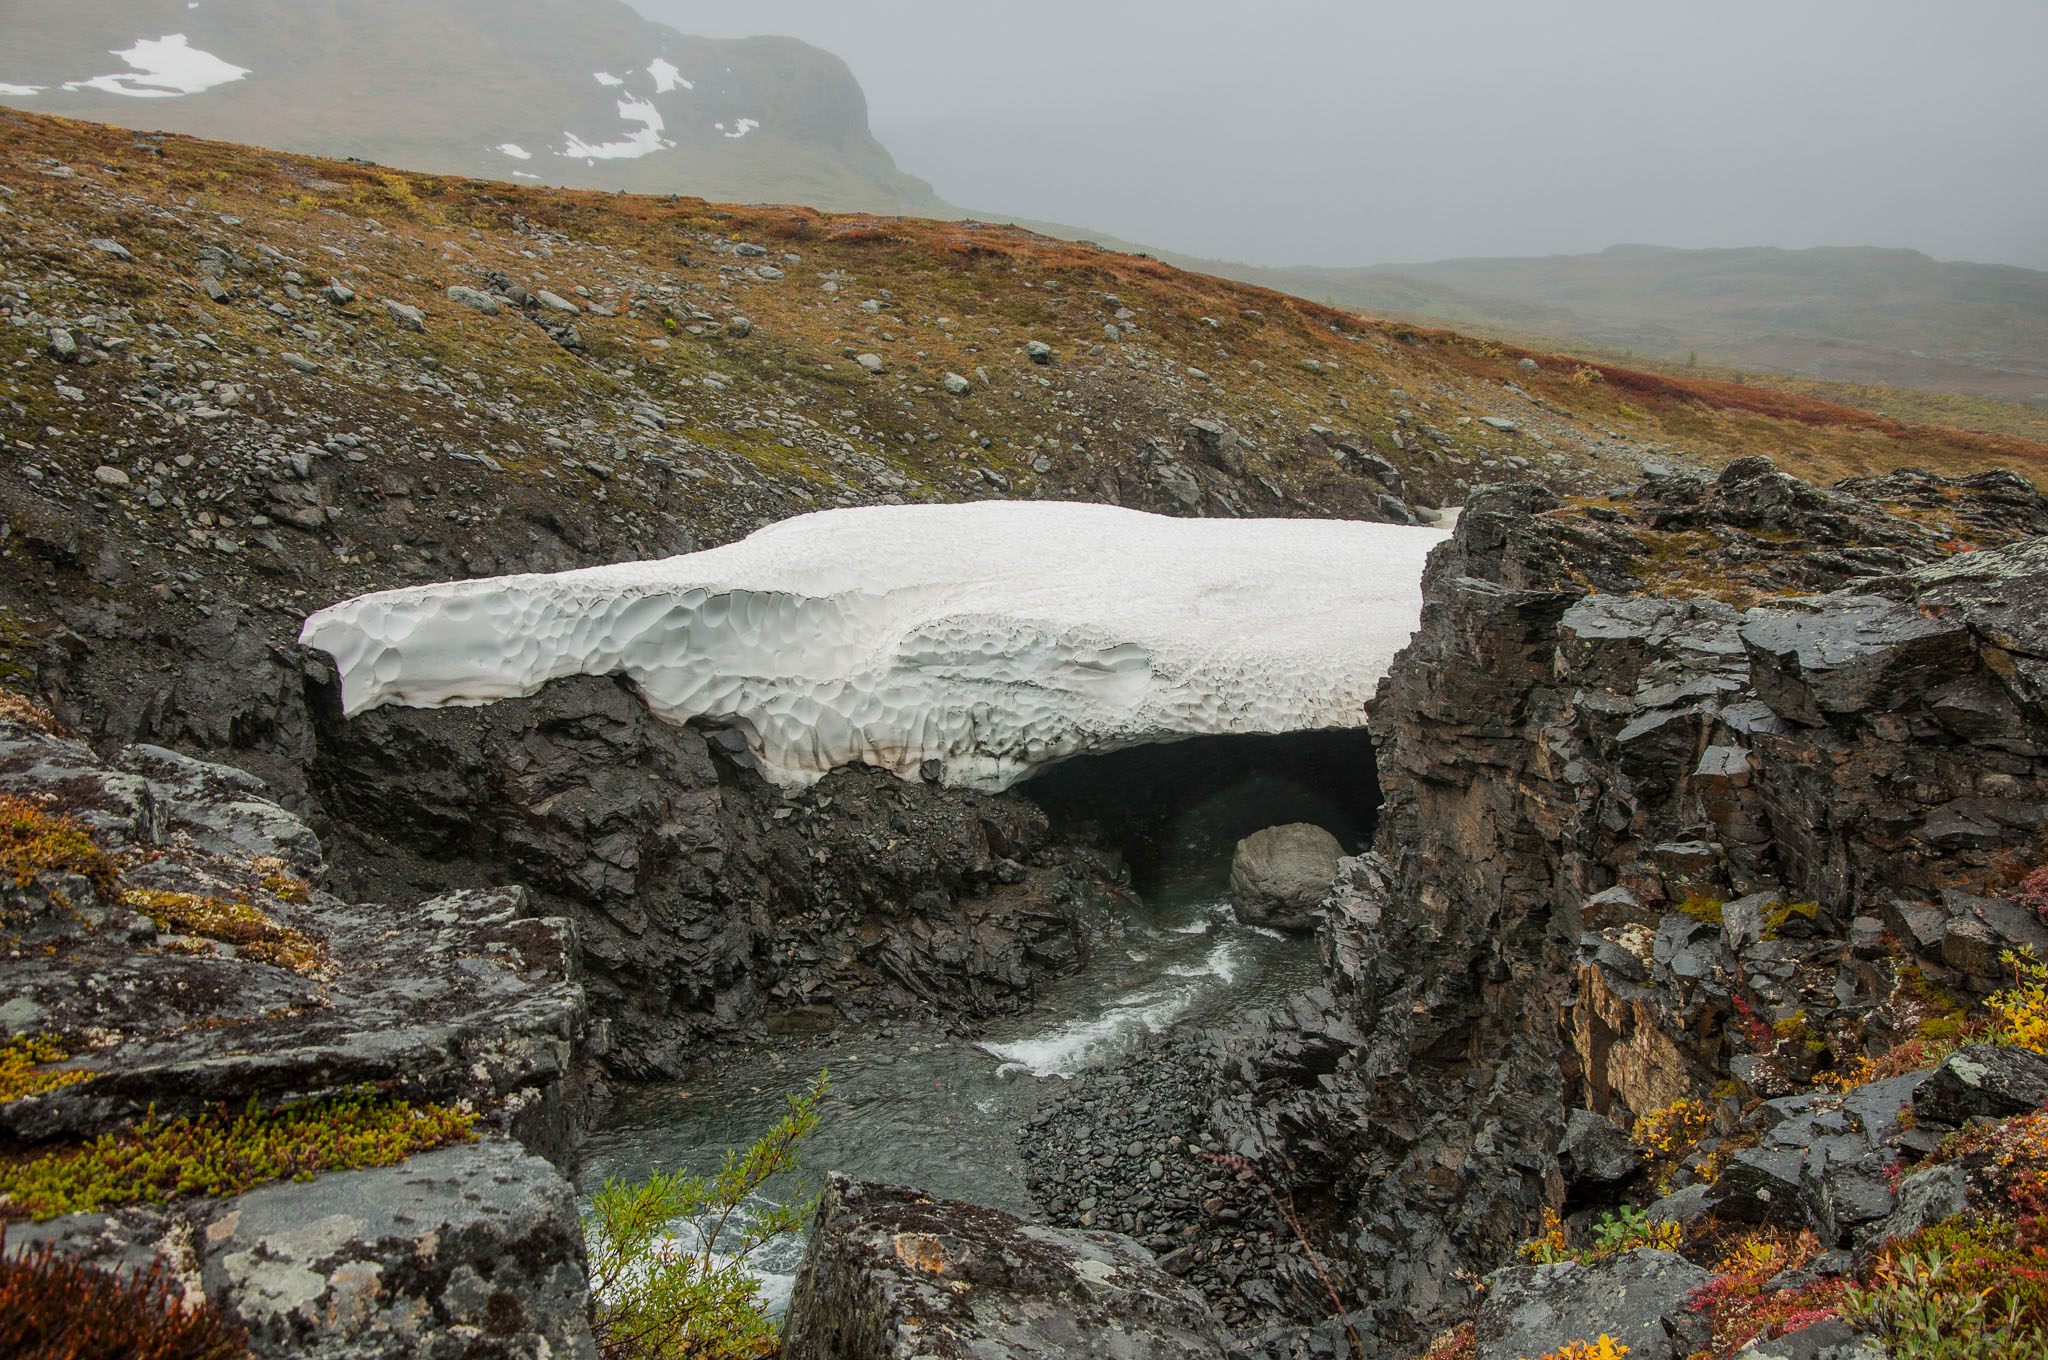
x=159, y=1160
x=660, y=1300
x=56, y=1307
x=1924, y=1314
x=1626, y=1228
x=2020, y=1012
x=1620, y=1229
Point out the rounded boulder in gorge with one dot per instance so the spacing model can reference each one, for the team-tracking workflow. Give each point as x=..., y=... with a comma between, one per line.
x=1279, y=876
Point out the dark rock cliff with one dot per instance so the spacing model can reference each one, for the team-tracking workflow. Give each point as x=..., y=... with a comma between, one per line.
x=1641, y=844
x=707, y=901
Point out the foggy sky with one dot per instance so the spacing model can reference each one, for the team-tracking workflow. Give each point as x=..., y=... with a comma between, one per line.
x=1306, y=132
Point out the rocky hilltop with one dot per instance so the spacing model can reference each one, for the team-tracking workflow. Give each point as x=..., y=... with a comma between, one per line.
x=573, y=92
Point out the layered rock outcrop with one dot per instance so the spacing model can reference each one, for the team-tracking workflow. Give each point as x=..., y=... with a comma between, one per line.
x=168, y=956
x=705, y=899
x=1640, y=840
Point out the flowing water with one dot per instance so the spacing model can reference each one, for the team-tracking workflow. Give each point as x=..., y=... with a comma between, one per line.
x=912, y=1104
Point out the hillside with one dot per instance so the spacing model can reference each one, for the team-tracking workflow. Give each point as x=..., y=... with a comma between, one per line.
x=1855, y=315
x=570, y=92
x=247, y=384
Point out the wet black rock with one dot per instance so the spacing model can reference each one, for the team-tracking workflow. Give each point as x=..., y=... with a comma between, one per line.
x=706, y=901
x=369, y=995
x=1831, y=1339
x=1595, y=1157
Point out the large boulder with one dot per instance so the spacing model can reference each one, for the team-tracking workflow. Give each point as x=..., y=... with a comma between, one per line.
x=892, y=1274
x=473, y=1250
x=1987, y=1081
x=1282, y=874
x=1638, y=1298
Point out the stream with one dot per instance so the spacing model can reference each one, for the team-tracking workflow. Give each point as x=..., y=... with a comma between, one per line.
x=912, y=1104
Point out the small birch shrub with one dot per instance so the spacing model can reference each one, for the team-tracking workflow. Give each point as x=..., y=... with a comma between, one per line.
x=658, y=1299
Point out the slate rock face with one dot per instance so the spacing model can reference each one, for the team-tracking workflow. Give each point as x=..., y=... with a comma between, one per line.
x=1595, y=1157
x=1987, y=1081
x=704, y=898
x=1637, y=1297
x=1682, y=826
x=892, y=1274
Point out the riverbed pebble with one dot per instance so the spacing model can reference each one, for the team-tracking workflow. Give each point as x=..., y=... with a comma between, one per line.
x=1128, y=1148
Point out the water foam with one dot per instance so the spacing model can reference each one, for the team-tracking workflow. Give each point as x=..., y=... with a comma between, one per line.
x=1066, y=1049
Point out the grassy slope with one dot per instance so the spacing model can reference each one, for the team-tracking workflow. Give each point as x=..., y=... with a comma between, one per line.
x=1914, y=406
x=1853, y=315
x=803, y=425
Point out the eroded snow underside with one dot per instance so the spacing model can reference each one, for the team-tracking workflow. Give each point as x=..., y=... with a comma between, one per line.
x=995, y=637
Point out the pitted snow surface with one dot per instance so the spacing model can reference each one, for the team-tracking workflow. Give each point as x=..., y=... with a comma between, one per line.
x=994, y=637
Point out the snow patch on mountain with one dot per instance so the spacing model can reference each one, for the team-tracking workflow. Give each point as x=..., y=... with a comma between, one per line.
x=515, y=151
x=741, y=128
x=668, y=77
x=994, y=637
x=606, y=78
x=19, y=91
x=164, y=68
x=645, y=142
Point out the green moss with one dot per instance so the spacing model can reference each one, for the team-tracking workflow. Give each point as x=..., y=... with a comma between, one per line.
x=28, y=1067
x=160, y=1160
x=1777, y=920
x=1793, y=1024
x=34, y=840
x=1929, y=992
x=253, y=934
x=1706, y=909
x=287, y=888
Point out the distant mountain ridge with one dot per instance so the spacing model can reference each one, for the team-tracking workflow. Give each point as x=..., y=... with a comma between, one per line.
x=582, y=93
x=1845, y=313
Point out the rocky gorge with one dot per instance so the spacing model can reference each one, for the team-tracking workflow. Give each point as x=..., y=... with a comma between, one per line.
x=1711, y=800
x=1637, y=849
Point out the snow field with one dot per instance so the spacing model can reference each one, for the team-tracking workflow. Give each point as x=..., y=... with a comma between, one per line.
x=994, y=637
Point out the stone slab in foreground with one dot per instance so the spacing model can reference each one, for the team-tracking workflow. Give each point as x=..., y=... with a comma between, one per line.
x=892, y=1274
